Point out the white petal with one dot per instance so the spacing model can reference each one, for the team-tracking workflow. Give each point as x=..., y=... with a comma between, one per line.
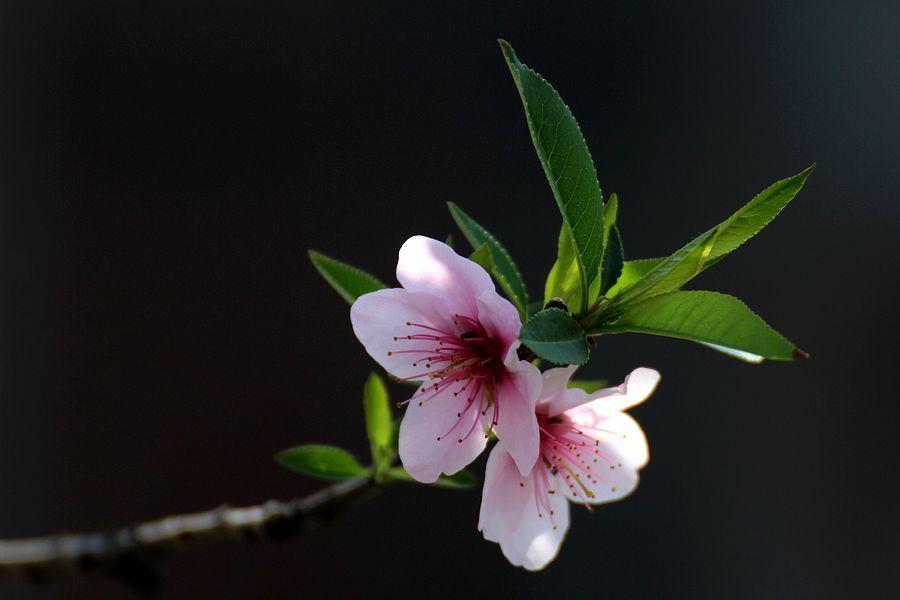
x=636, y=388
x=537, y=539
x=430, y=266
x=607, y=467
x=555, y=383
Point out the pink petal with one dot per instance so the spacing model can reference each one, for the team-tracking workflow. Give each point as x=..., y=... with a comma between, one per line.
x=427, y=265
x=636, y=388
x=555, y=384
x=423, y=455
x=380, y=316
x=517, y=427
x=503, y=499
x=499, y=317
x=510, y=516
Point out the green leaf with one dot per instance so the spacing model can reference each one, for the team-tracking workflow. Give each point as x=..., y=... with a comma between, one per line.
x=349, y=282
x=459, y=480
x=555, y=336
x=379, y=421
x=610, y=213
x=719, y=321
x=323, y=462
x=710, y=247
x=632, y=270
x=502, y=268
x=395, y=435
x=564, y=279
x=613, y=261
x=589, y=385
x=567, y=164
x=482, y=256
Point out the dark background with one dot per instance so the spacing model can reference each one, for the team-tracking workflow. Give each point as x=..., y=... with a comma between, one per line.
x=164, y=168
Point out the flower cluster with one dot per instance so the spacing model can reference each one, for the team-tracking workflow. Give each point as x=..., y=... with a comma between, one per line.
x=448, y=330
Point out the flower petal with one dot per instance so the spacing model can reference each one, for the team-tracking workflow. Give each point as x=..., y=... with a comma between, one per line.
x=432, y=428
x=430, y=266
x=504, y=496
x=499, y=317
x=555, y=384
x=636, y=388
x=517, y=427
x=537, y=539
x=380, y=317
x=607, y=467
x=618, y=430
x=528, y=536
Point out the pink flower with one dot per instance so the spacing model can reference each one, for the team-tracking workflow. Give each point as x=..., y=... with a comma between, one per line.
x=590, y=453
x=448, y=328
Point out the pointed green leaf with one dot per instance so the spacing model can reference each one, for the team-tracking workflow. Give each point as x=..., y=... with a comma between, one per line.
x=349, y=282
x=567, y=164
x=379, y=421
x=323, y=462
x=555, y=336
x=613, y=260
x=589, y=385
x=482, y=257
x=719, y=321
x=632, y=271
x=710, y=247
x=395, y=435
x=610, y=213
x=564, y=279
x=503, y=267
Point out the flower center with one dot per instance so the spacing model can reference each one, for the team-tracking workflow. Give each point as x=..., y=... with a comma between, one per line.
x=567, y=455
x=465, y=354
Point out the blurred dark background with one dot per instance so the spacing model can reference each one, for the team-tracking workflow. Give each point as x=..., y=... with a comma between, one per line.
x=164, y=168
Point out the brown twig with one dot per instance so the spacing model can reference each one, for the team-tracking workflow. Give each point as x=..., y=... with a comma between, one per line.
x=133, y=554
